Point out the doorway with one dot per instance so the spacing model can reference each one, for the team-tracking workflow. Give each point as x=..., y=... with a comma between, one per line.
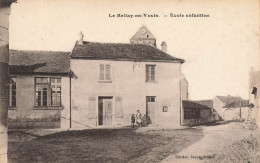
x=105, y=111
x=150, y=109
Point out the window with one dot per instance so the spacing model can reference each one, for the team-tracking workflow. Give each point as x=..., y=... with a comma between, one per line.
x=48, y=91
x=165, y=109
x=105, y=72
x=150, y=73
x=118, y=107
x=12, y=92
x=150, y=98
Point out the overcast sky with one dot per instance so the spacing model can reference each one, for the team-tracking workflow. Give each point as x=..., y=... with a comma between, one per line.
x=218, y=50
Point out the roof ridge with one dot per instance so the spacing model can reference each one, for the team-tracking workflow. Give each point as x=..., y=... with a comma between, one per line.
x=108, y=43
x=229, y=96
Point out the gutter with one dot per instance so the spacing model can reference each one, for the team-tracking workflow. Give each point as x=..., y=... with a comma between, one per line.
x=70, y=76
x=180, y=96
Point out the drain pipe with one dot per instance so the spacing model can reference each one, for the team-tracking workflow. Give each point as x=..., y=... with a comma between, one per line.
x=180, y=95
x=70, y=99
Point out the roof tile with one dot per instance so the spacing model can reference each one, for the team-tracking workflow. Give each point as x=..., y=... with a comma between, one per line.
x=50, y=62
x=119, y=51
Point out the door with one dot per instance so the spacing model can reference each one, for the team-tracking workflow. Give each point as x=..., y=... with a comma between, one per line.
x=105, y=111
x=150, y=109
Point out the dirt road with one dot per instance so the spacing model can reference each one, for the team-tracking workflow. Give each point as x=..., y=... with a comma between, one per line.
x=215, y=139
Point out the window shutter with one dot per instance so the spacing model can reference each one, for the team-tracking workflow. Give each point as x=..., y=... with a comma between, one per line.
x=147, y=73
x=108, y=72
x=92, y=107
x=118, y=107
x=102, y=76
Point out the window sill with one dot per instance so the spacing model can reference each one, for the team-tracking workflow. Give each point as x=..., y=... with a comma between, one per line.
x=151, y=81
x=12, y=108
x=47, y=108
x=105, y=81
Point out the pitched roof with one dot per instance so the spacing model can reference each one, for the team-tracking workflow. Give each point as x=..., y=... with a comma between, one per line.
x=42, y=62
x=204, y=104
x=237, y=104
x=119, y=51
x=233, y=101
x=140, y=35
x=228, y=99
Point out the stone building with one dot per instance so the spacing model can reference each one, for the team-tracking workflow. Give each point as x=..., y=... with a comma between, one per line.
x=230, y=107
x=198, y=112
x=97, y=85
x=115, y=79
x=38, y=89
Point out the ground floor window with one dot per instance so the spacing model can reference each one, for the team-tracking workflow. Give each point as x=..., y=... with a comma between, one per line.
x=48, y=91
x=12, y=92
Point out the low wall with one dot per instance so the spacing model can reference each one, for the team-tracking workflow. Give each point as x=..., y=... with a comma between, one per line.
x=34, y=119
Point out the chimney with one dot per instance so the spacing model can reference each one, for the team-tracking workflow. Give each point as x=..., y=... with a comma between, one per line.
x=80, y=41
x=164, y=47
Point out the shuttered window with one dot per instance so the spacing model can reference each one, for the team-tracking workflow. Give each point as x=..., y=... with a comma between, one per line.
x=105, y=72
x=108, y=72
x=150, y=73
x=102, y=72
x=118, y=107
x=92, y=108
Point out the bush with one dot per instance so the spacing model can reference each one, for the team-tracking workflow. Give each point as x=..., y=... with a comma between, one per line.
x=244, y=151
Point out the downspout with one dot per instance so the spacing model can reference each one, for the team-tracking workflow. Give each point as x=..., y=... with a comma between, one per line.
x=70, y=76
x=180, y=95
x=70, y=98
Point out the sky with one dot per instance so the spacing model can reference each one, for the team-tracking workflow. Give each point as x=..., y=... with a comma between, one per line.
x=219, y=50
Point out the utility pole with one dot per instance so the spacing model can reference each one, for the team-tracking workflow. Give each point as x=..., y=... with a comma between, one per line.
x=5, y=10
x=240, y=108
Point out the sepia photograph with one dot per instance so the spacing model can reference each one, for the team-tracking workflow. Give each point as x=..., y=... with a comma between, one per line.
x=170, y=81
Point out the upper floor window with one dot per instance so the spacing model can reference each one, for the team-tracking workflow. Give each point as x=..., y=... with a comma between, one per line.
x=12, y=92
x=150, y=73
x=105, y=72
x=48, y=91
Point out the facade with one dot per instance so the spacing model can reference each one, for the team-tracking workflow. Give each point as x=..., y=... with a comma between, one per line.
x=254, y=87
x=97, y=85
x=38, y=90
x=230, y=107
x=115, y=80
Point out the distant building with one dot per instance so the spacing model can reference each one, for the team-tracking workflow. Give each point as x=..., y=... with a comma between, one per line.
x=230, y=107
x=197, y=112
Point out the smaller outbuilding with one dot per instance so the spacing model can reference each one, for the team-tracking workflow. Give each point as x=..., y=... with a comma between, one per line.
x=197, y=112
x=231, y=107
